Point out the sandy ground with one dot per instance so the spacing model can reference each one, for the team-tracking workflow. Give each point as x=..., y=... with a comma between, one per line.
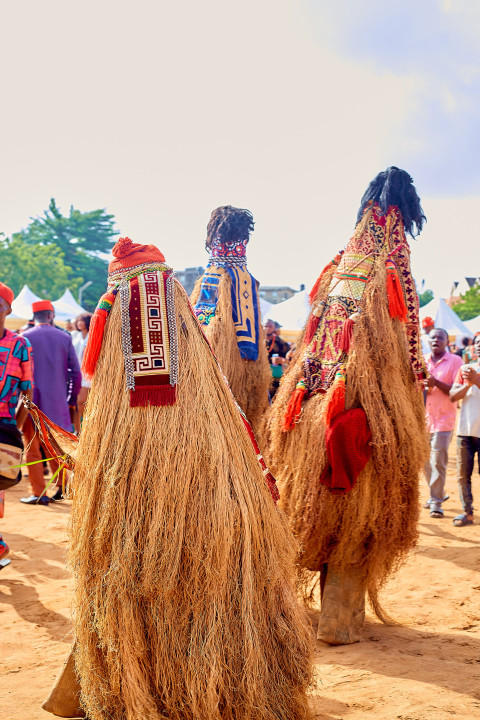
x=427, y=668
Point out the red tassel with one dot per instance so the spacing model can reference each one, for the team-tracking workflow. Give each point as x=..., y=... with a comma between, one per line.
x=346, y=338
x=313, y=292
x=156, y=395
x=336, y=402
x=94, y=344
x=294, y=407
x=312, y=326
x=396, y=301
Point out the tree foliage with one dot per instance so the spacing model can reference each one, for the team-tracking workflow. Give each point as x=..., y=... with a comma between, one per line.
x=468, y=306
x=81, y=238
x=42, y=268
x=425, y=297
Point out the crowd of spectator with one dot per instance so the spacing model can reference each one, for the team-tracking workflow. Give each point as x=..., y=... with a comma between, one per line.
x=453, y=378
x=41, y=361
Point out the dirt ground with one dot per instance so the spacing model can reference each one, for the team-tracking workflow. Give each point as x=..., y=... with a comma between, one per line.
x=426, y=669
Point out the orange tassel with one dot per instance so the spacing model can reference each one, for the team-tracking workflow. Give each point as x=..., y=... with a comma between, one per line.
x=346, y=338
x=95, y=333
x=336, y=402
x=294, y=407
x=94, y=344
x=396, y=301
x=313, y=292
x=312, y=326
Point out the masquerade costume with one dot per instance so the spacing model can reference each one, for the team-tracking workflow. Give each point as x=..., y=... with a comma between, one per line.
x=226, y=303
x=346, y=433
x=185, y=602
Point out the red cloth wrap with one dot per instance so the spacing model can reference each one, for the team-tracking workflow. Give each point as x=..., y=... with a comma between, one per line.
x=349, y=448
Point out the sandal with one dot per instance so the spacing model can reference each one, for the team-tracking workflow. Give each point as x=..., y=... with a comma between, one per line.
x=429, y=502
x=462, y=520
x=437, y=513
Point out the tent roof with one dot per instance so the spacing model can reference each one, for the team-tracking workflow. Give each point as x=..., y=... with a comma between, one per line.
x=473, y=324
x=22, y=305
x=66, y=307
x=291, y=314
x=265, y=308
x=448, y=319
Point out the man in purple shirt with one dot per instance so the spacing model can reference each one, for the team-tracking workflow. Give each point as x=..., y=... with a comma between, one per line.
x=57, y=375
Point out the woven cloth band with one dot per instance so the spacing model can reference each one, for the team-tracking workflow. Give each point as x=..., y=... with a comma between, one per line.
x=149, y=332
x=149, y=338
x=244, y=298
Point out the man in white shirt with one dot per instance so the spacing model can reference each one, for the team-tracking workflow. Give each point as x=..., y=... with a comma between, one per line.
x=467, y=388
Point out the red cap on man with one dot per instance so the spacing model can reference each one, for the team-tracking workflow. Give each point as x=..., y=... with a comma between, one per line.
x=6, y=293
x=42, y=305
x=427, y=322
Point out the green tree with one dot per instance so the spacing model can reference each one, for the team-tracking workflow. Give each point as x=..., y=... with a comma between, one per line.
x=82, y=237
x=468, y=306
x=42, y=268
x=425, y=297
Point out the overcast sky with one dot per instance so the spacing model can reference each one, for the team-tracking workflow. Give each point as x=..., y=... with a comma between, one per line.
x=162, y=111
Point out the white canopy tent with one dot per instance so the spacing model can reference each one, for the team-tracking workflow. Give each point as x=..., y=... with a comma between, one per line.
x=291, y=314
x=429, y=310
x=448, y=319
x=474, y=324
x=66, y=307
x=265, y=309
x=22, y=305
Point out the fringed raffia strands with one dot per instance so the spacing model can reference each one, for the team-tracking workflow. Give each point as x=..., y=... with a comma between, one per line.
x=184, y=600
x=374, y=525
x=56, y=441
x=249, y=380
x=326, y=270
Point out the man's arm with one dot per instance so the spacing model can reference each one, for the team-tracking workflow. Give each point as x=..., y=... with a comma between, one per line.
x=22, y=412
x=458, y=391
x=433, y=382
x=466, y=377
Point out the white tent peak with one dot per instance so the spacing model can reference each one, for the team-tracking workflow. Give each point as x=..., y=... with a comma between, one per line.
x=22, y=305
x=66, y=307
x=448, y=319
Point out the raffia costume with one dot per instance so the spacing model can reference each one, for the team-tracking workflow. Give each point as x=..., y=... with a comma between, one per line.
x=227, y=305
x=346, y=434
x=184, y=605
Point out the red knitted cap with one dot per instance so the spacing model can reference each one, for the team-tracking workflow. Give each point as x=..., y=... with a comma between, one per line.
x=128, y=254
x=42, y=305
x=427, y=322
x=6, y=293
